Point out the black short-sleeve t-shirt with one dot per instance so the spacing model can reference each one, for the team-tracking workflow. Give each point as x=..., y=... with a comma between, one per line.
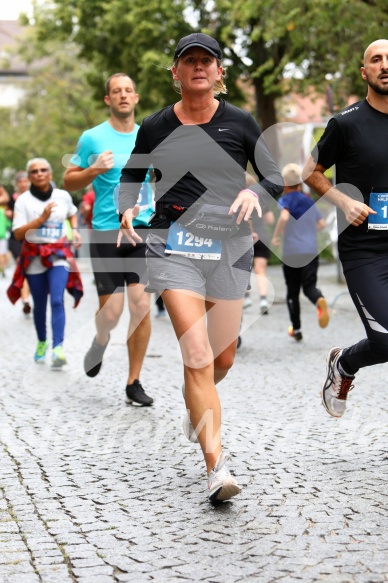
x=356, y=141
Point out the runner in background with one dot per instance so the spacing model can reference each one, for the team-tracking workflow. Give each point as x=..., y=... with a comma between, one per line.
x=356, y=140
x=46, y=260
x=100, y=155
x=5, y=224
x=22, y=184
x=261, y=248
x=299, y=221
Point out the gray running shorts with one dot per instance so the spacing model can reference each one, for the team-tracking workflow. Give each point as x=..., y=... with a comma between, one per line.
x=227, y=278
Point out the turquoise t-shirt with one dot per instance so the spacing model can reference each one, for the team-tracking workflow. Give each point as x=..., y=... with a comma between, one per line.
x=106, y=186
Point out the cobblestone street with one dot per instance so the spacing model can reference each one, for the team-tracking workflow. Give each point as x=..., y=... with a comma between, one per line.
x=96, y=491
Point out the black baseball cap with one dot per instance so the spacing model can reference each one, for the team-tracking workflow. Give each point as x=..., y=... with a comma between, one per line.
x=198, y=39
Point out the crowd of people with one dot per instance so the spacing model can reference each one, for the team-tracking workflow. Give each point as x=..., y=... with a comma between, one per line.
x=173, y=212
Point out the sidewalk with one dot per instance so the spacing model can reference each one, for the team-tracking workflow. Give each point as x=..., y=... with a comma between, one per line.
x=96, y=491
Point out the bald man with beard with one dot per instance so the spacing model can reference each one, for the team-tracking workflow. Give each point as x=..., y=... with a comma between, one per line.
x=356, y=141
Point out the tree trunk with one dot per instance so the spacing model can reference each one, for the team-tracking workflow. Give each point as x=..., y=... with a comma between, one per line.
x=265, y=106
x=266, y=116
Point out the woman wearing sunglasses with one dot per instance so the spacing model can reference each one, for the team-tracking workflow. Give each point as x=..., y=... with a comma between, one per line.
x=46, y=259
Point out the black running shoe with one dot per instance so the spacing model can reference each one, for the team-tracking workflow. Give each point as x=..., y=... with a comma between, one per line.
x=296, y=334
x=93, y=358
x=137, y=396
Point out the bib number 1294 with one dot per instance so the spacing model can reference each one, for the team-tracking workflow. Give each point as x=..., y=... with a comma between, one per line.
x=192, y=240
x=181, y=242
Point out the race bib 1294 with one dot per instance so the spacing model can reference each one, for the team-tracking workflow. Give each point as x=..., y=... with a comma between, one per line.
x=181, y=242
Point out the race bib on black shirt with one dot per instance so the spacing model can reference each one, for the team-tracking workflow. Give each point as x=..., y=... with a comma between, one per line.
x=378, y=201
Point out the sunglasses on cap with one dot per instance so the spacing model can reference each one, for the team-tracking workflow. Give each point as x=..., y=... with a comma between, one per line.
x=36, y=170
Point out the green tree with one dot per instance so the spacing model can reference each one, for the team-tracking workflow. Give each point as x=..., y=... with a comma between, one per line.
x=274, y=46
x=56, y=107
x=287, y=45
x=130, y=36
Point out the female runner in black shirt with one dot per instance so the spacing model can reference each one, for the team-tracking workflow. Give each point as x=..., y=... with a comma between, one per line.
x=199, y=149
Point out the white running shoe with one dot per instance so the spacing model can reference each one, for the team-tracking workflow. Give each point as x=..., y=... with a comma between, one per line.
x=222, y=485
x=264, y=308
x=336, y=386
x=247, y=302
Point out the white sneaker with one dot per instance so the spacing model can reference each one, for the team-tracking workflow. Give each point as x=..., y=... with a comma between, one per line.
x=222, y=486
x=264, y=309
x=336, y=386
x=247, y=302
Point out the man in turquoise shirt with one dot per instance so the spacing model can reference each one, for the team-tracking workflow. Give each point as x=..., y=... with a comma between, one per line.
x=100, y=155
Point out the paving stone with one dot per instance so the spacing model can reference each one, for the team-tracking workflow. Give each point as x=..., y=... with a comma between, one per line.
x=93, y=571
x=94, y=491
x=49, y=560
x=22, y=578
x=11, y=557
x=95, y=579
x=80, y=563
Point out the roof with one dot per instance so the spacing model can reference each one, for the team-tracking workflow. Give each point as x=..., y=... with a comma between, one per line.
x=10, y=31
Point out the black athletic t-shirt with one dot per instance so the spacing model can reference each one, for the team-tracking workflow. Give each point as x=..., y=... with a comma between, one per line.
x=206, y=160
x=356, y=141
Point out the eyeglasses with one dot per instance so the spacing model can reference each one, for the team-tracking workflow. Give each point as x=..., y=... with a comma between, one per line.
x=36, y=170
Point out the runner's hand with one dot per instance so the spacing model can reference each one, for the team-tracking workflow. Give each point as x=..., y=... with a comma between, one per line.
x=47, y=211
x=246, y=202
x=126, y=228
x=104, y=162
x=356, y=211
x=77, y=239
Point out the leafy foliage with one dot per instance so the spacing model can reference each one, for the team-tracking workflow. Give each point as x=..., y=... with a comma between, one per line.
x=278, y=46
x=287, y=46
x=55, y=109
x=273, y=47
x=131, y=36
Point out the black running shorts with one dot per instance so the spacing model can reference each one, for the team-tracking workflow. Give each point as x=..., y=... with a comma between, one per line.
x=114, y=267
